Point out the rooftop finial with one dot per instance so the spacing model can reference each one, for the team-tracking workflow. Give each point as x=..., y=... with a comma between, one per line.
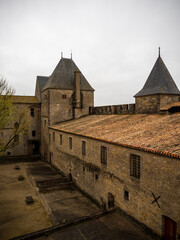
x=71, y=54
x=61, y=54
x=159, y=52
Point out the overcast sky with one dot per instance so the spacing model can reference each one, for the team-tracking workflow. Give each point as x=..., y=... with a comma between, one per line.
x=113, y=42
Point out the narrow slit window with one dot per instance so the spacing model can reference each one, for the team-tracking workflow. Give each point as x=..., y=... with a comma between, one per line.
x=104, y=155
x=33, y=133
x=70, y=143
x=60, y=139
x=83, y=148
x=32, y=112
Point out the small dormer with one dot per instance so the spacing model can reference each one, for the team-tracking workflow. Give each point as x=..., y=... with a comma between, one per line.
x=158, y=91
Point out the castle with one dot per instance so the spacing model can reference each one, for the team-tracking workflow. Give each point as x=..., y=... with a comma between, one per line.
x=125, y=156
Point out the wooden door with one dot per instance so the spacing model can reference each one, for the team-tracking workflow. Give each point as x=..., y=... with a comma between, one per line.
x=169, y=229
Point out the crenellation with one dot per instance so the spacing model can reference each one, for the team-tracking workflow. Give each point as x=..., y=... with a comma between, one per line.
x=114, y=109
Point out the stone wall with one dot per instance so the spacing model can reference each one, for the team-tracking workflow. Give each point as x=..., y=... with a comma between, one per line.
x=87, y=102
x=159, y=176
x=152, y=103
x=58, y=106
x=167, y=99
x=114, y=109
x=33, y=124
x=45, y=96
x=148, y=104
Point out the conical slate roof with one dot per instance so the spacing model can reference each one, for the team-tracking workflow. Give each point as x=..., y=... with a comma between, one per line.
x=63, y=77
x=159, y=81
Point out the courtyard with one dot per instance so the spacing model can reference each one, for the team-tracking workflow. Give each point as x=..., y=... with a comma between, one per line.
x=58, y=211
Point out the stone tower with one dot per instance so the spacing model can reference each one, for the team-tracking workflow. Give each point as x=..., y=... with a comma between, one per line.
x=158, y=91
x=65, y=96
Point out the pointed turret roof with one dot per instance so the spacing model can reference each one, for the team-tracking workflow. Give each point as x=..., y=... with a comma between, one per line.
x=63, y=77
x=159, y=81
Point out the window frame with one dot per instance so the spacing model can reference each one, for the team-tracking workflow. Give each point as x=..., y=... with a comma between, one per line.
x=126, y=195
x=135, y=166
x=104, y=155
x=70, y=143
x=83, y=147
x=60, y=139
x=63, y=96
x=33, y=133
x=32, y=111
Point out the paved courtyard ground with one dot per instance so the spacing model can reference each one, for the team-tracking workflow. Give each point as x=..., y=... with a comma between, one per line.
x=50, y=208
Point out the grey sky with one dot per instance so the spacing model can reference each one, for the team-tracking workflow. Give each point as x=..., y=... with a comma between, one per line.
x=114, y=42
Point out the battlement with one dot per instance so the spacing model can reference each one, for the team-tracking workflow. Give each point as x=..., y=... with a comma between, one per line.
x=113, y=109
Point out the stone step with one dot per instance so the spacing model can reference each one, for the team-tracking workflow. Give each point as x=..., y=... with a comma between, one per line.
x=60, y=179
x=52, y=182
x=63, y=185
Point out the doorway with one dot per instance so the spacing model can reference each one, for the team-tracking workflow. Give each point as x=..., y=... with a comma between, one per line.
x=33, y=147
x=170, y=227
x=70, y=177
x=110, y=200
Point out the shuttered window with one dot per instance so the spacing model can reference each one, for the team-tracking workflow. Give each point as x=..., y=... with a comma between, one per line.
x=135, y=167
x=104, y=155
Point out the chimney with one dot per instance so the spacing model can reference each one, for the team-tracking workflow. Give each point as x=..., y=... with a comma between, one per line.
x=77, y=77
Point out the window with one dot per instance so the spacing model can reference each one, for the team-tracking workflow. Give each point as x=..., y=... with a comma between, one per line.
x=32, y=112
x=70, y=143
x=49, y=138
x=126, y=195
x=45, y=123
x=64, y=96
x=33, y=133
x=60, y=139
x=96, y=176
x=104, y=155
x=135, y=165
x=83, y=148
x=53, y=136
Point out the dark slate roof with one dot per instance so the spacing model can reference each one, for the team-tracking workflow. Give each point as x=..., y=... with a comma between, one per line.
x=159, y=81
x=40, y=83
x=63, y=77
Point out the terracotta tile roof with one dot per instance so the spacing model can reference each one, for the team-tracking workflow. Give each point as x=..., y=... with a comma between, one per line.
x=159, y=134
x=25, y=99
x=167, y=107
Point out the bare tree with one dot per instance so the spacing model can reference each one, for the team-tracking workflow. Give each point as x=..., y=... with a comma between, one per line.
x=10, y=118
